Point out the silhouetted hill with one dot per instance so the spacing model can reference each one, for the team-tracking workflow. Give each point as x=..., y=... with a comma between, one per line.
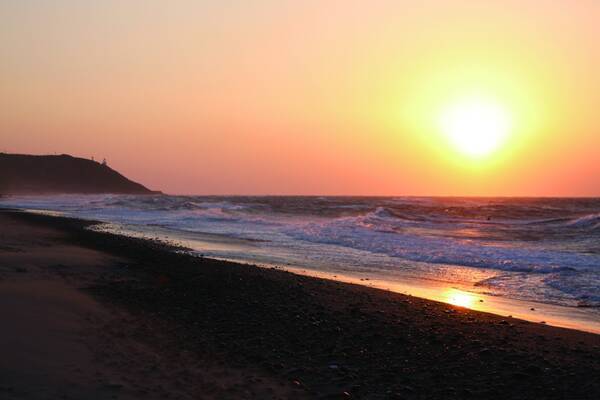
x=26, y=174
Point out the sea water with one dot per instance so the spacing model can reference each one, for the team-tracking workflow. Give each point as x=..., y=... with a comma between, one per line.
x=544, y=250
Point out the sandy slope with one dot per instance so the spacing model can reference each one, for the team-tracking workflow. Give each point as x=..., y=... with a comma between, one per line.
x=92, y=315
x=57, y=342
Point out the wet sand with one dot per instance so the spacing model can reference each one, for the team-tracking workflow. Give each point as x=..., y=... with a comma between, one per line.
x=465, y=292
x=580, y=318
x=94, y=315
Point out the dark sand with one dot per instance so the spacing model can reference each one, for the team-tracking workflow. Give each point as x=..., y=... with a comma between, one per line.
x=88, y=315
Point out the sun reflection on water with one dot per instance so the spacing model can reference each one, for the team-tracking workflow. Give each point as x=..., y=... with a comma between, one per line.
x=460, y=298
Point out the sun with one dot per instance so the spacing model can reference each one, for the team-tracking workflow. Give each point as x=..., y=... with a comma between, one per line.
x=475, y=127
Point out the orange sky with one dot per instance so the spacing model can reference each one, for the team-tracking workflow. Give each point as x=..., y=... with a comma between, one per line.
x=306, y=97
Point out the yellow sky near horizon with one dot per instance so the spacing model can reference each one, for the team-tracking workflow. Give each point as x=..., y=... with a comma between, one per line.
x=311, y=97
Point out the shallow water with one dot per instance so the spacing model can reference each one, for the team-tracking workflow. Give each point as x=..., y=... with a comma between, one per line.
x=541, y=250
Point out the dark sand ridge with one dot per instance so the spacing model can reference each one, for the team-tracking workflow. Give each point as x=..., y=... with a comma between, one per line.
x=57, y=342
x=164, y=323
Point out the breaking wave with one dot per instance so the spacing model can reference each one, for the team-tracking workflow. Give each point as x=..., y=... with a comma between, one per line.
x=545, y=248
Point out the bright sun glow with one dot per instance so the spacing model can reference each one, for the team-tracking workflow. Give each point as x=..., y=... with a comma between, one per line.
x=475, y=127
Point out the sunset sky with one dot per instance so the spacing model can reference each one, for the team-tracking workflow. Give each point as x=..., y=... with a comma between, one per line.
x=310, y=97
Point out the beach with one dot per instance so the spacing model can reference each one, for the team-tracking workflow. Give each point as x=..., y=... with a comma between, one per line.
x=95, y=315
x=535, y=259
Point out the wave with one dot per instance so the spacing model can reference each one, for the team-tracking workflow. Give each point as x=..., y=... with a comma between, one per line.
x=590, y=222
x=383, y=232
x=547, y=247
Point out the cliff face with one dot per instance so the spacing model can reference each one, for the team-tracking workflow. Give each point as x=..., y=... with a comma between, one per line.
x=26, y=174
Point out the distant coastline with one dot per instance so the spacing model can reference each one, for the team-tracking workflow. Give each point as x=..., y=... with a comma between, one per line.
x=23, y=174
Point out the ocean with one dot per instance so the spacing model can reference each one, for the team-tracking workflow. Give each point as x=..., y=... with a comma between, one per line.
x=544, y=250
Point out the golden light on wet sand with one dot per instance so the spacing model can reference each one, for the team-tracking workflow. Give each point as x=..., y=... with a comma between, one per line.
x=460, y=298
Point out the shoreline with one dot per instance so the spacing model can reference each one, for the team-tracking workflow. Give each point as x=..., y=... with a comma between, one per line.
x=461, y=294
x=453, y=294
x=324, y=339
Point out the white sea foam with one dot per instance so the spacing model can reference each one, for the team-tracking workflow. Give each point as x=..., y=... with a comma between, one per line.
x=375, y=232
x=545, y=249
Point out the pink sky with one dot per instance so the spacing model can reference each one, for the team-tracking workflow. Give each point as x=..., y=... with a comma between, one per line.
x=311, y=97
